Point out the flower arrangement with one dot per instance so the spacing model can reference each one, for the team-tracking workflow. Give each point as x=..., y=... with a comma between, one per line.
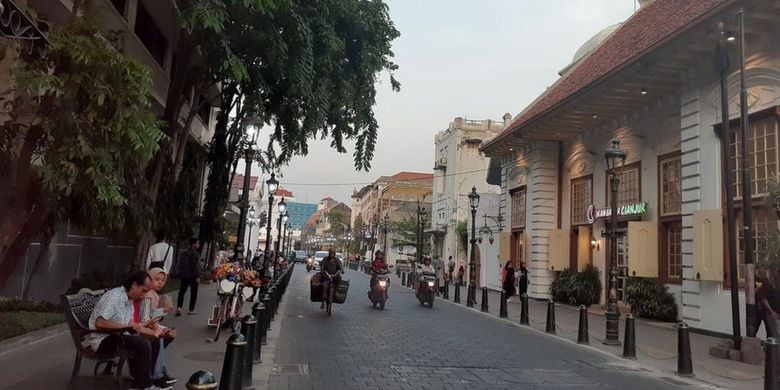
x=236, y=273
x=251, y=278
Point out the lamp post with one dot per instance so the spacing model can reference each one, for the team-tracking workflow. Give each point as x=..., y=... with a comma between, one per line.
x=272, y=184
x=249, y=141
x=252, y=221
x=285, y=217
x=615, y=158
x=386, y=220
x=472, y=290
x=282, y=210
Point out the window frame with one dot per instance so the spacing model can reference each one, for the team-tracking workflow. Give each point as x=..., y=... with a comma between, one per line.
x=626, y=167
x=572, y=182
x=661, y=159
x=514, y=225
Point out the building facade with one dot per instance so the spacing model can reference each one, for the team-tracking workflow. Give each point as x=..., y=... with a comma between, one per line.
x=459, y=165
x=645, y=84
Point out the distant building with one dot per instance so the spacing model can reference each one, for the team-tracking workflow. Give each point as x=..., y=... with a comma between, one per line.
x=252, y=235
x=459, y=166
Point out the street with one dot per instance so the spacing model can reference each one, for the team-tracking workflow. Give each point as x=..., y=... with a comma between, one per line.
x=449, y=346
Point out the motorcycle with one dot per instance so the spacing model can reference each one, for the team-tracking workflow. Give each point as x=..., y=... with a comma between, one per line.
x=309, y=264
x=425, y=288
x=378, y=293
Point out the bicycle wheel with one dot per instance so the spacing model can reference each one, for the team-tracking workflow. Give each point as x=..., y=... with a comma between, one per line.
x=330, y=299
x=223, y=302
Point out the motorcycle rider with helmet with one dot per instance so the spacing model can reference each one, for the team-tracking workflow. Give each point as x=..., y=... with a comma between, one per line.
x=423, y=268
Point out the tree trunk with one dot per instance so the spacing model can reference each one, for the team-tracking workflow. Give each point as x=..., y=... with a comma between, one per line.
x=50, y=227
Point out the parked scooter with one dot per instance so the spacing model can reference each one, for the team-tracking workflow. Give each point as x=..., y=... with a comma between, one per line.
x=425, y=288
x=378, y=293
x=309, y=264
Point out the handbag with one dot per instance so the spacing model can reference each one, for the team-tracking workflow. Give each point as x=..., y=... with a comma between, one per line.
x=161, y=264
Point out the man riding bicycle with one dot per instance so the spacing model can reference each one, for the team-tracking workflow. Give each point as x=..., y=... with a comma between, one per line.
x=330, y=265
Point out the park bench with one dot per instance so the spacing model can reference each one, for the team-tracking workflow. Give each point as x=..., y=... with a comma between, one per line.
x=78, y=307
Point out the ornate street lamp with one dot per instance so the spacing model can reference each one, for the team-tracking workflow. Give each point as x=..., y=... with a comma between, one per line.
x=272, y=184
x=472, y=290
x=615, y=158
x=249, y=141
x=252, y=221
x=282, y=212
x=283, y=230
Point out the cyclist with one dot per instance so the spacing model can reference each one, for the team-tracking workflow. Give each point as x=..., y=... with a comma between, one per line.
x=330, y=265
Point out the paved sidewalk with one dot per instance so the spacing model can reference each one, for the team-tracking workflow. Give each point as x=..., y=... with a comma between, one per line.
x=656, y=341
x=47, y=364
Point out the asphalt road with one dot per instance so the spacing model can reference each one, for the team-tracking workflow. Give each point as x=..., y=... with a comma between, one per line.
x=407, y=346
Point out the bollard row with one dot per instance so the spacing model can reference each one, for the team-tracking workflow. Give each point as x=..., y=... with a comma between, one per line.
x=244, y=349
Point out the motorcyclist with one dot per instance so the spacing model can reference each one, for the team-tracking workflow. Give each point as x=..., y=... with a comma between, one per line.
x=330, y=265
x=377, y=266
x=423, y=268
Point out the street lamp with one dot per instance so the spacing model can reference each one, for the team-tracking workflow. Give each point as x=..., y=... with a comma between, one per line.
x=252, y=221
x=472, y=291
x=285, y=217
x=272, y=184
x=615, y=158
x=384, y=244
x=282, y=210
x=248, y=143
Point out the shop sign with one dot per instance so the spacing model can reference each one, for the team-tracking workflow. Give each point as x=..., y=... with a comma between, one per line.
x=625, y=210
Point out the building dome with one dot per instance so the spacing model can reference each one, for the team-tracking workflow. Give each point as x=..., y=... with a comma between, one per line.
x=590, y=45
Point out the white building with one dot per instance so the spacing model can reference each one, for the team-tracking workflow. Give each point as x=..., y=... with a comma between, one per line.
x=459, y=165
x=653, y=86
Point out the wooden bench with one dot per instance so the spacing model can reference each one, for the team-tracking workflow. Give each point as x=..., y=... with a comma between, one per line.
x=78, y=308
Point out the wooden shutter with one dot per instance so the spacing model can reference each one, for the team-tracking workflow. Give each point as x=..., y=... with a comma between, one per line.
x=505, y=247
x=558, y=249
x=708, y=245
x=643, y=249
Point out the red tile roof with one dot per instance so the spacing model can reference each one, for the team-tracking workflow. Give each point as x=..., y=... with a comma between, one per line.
x=404, y=176
x=650, y=26
x=238, y=181
x=283, y=193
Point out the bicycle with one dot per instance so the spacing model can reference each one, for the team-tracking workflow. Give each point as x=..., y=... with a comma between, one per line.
x=328, y=295
x=228, y=311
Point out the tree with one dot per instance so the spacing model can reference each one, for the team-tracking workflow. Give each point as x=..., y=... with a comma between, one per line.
x=406, y=232
x=310, y=73
x=79, y=137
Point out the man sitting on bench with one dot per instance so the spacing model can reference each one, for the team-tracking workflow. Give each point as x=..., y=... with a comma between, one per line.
x=119, y=310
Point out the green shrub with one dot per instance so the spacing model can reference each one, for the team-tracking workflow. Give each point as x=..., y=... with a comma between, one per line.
x=577, y=288
x=15, y=323
x=649, y=298
x=16, y=304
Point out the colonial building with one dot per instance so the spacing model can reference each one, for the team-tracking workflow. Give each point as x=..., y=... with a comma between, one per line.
x=651, y=83
x=458, y=167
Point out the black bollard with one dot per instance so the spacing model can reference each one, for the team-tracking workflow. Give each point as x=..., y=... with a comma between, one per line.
x=684, y=360
x=550, y=327
x=484, y=306
x=471, y=295
x=231, y=368
x=457, y=293
x=582, y=332
x=272, y=297
x=770, y=364
x=202, y=380
x=502, y=312
x=524, y=318
x=403, y=279
x=446, y=296
x=258, y=310
x=248, y=328
x=629, y=344
x=266, y=318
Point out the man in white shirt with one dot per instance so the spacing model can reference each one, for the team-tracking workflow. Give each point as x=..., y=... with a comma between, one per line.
x=160, y=255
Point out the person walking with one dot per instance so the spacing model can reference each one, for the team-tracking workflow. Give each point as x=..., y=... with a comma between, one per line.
x=189, y=276
x=522, y=281
x=160, y=255
x=450, y=268
x=509, y=280
x=461, y=273
x=761, y=313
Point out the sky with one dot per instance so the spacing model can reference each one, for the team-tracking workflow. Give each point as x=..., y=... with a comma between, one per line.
x=476, y=59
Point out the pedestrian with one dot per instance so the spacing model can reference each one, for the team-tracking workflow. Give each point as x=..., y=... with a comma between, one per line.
x=522, y=281
x=761, y=314
x=770, y=300
x=509, y=280
x=160, y=255
x=461, y=273
x=450, y=268
x=189, y=276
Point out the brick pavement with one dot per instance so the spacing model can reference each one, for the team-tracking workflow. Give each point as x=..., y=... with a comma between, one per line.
x=409, y=346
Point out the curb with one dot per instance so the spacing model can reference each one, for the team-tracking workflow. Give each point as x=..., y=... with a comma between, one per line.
x=36, y=336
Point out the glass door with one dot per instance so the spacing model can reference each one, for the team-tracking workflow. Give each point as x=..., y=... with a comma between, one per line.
x=622, y=263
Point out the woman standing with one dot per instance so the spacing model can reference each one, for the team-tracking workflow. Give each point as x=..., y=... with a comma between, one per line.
x=509, y=280
x=523, y=280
